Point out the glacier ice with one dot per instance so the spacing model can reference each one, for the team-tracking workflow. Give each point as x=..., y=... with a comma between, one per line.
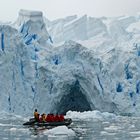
x=97, y=68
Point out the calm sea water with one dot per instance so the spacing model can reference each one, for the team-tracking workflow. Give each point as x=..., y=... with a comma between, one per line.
x=122, y=128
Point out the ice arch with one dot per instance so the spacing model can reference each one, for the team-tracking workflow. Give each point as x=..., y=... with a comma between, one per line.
x=75, y=100
x=81, y=95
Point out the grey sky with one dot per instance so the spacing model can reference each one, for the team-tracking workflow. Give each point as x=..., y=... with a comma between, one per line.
x=53, y=9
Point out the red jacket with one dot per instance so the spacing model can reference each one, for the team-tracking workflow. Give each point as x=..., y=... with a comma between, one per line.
x=56, y=118
x=61, y=118
x=50, y=118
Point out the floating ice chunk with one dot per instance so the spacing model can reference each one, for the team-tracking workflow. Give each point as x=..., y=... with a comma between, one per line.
x=135, y=133
x=107, y=133
x=112, y=128
x=13, y=129
x=108, y=115
x=57, y=137
x=138, y=138
x=84, y=115
x=5, y=138
x=87, y=115
x=61, y=130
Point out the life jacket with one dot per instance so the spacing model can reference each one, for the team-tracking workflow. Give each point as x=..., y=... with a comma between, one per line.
x=52, y=117
x=61, y=118
x=56, y=118
x=48, y=118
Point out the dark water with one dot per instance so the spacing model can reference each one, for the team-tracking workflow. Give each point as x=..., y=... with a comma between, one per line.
x=121, y=128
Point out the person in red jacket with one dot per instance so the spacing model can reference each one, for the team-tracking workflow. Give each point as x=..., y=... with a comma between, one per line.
x=40, y=119
x=50, y=118
x=56, y=118
x=61, y=118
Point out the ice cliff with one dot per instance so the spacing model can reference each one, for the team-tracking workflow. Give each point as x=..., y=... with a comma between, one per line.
x=101, y=70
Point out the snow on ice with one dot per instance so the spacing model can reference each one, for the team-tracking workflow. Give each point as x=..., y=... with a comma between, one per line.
x=97, y=68
x=60, y=132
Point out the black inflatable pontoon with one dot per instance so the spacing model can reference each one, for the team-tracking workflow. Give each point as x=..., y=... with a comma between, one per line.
x=32, y=121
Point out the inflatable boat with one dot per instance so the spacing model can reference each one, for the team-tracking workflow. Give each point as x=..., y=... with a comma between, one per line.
x=32, y=121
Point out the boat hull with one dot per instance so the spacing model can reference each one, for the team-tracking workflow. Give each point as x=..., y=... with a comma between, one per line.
x=33, y=122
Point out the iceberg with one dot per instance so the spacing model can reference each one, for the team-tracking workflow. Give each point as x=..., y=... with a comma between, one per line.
x=60, y=132
x=97, y=68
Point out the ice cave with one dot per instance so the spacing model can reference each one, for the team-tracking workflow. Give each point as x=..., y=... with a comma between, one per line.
x=75, y=100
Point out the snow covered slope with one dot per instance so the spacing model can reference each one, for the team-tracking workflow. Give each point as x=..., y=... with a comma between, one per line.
x=101, y=70
x=75, y=28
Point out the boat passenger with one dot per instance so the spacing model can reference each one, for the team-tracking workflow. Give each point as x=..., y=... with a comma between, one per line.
x=50, y=118
x=61, y=117
x=43, y=117
x=36, y=115
x=40, y=119
x=56, y=118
